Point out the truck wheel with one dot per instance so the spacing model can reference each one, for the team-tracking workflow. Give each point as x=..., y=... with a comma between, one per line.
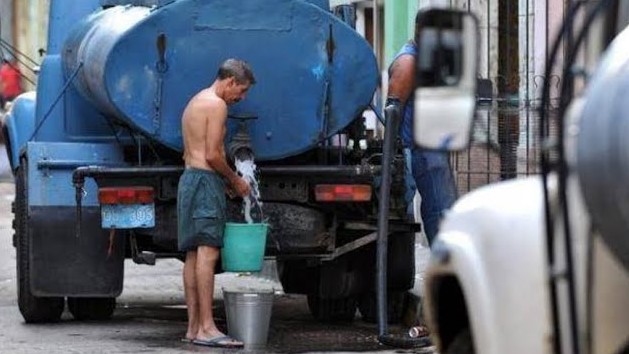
x=396, y=304
x=91, y=308
x=34, y=309
x=462, y=343
x=332, y=310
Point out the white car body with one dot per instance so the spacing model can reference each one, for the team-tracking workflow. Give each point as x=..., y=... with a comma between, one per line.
x=491, y=243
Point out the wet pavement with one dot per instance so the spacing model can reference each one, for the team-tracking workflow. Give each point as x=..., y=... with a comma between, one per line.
x=151, y=317
x=148, y=328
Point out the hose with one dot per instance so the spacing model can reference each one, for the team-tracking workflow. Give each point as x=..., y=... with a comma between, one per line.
x=392, y=124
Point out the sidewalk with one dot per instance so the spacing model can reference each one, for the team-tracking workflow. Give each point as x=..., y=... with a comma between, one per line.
x=5, y=169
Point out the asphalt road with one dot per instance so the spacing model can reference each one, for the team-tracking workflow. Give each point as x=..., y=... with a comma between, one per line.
x=151, y=318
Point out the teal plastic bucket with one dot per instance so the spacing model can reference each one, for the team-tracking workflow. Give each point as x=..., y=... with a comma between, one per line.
x=243, y=247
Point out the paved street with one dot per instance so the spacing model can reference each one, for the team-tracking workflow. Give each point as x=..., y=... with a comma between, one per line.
x=151, y=318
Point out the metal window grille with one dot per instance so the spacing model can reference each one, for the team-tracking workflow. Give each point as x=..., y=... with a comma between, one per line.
x=516, y=36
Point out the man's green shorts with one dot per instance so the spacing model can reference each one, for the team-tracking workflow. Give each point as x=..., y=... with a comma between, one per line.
x=201, y=209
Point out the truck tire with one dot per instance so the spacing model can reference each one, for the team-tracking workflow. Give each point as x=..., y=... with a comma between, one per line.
x=462, y=343
x=400, y=278
x=34, y=309
x=332, y=310
x=91, y=308
x=396, y=305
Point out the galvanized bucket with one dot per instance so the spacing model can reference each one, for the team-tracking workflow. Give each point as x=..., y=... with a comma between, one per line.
x=249, y=316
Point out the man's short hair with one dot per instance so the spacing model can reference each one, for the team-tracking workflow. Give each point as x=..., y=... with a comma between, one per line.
x=238, y=69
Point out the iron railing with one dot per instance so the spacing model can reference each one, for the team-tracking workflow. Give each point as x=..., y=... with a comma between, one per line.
x=515, y=39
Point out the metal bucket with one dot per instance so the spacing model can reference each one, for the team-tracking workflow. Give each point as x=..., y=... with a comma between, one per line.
x=249, y=316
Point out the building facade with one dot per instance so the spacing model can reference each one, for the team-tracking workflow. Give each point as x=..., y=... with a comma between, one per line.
x=515, y=37
x=23, y=34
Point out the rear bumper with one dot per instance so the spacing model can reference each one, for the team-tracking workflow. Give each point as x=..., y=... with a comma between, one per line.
x=299, y=224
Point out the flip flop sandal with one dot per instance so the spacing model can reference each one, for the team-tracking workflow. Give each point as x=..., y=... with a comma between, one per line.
x=218, y=342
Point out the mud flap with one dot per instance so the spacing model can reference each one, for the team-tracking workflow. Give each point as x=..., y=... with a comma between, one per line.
x=63, y=264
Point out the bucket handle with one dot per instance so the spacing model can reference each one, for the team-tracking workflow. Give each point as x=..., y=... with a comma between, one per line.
x=273, y=290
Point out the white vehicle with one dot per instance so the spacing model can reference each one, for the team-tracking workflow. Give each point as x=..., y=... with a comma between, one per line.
x=541, y=265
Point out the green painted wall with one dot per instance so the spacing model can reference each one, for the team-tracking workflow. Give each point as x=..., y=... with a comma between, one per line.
x=399, y=25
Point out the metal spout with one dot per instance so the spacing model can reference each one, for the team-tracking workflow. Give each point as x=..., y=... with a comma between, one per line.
x=240, y=148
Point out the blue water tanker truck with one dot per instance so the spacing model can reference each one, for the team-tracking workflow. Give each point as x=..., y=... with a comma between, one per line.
x=97, y=150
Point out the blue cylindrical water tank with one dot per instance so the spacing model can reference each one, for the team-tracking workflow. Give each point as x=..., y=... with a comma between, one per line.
x=315, y=74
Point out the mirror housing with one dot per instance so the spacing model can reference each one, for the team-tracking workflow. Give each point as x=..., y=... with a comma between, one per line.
x=446, y=79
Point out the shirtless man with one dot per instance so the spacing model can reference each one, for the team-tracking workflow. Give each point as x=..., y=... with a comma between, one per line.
x=201, y=205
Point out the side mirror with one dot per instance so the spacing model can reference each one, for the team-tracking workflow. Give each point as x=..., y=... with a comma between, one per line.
x=446, y=72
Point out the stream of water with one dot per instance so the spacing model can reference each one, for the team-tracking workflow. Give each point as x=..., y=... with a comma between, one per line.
x=247, y=168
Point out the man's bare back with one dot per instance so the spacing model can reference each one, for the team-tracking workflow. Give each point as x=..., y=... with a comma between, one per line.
x=205, y=111
x=204, y=128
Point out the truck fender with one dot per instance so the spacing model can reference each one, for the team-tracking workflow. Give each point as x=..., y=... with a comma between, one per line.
x=18, y=126
x=487, y=271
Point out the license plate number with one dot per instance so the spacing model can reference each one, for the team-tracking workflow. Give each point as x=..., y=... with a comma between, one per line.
x=128, y=216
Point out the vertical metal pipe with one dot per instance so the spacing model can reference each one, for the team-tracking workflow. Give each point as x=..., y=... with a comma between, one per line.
x=79, y=207
x=569, y=44
x=376, y=32
x=527, y=103
x=488, y=18
x=7, y=22
x=495, y=87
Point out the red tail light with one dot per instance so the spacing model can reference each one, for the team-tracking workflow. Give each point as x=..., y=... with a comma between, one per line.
x=126, y=195
x=343, y=193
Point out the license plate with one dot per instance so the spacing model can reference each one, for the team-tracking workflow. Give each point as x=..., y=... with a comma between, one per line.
x=127, y=216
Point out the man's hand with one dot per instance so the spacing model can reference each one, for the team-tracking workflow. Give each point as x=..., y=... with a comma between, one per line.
x=241, y=187
x=229, y=190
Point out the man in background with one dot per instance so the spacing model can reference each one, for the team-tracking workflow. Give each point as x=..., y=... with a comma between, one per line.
x=431, y=170
x=10, y=82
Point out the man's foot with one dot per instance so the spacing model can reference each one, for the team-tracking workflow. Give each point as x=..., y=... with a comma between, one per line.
x=220, y=341
x=189, y=337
